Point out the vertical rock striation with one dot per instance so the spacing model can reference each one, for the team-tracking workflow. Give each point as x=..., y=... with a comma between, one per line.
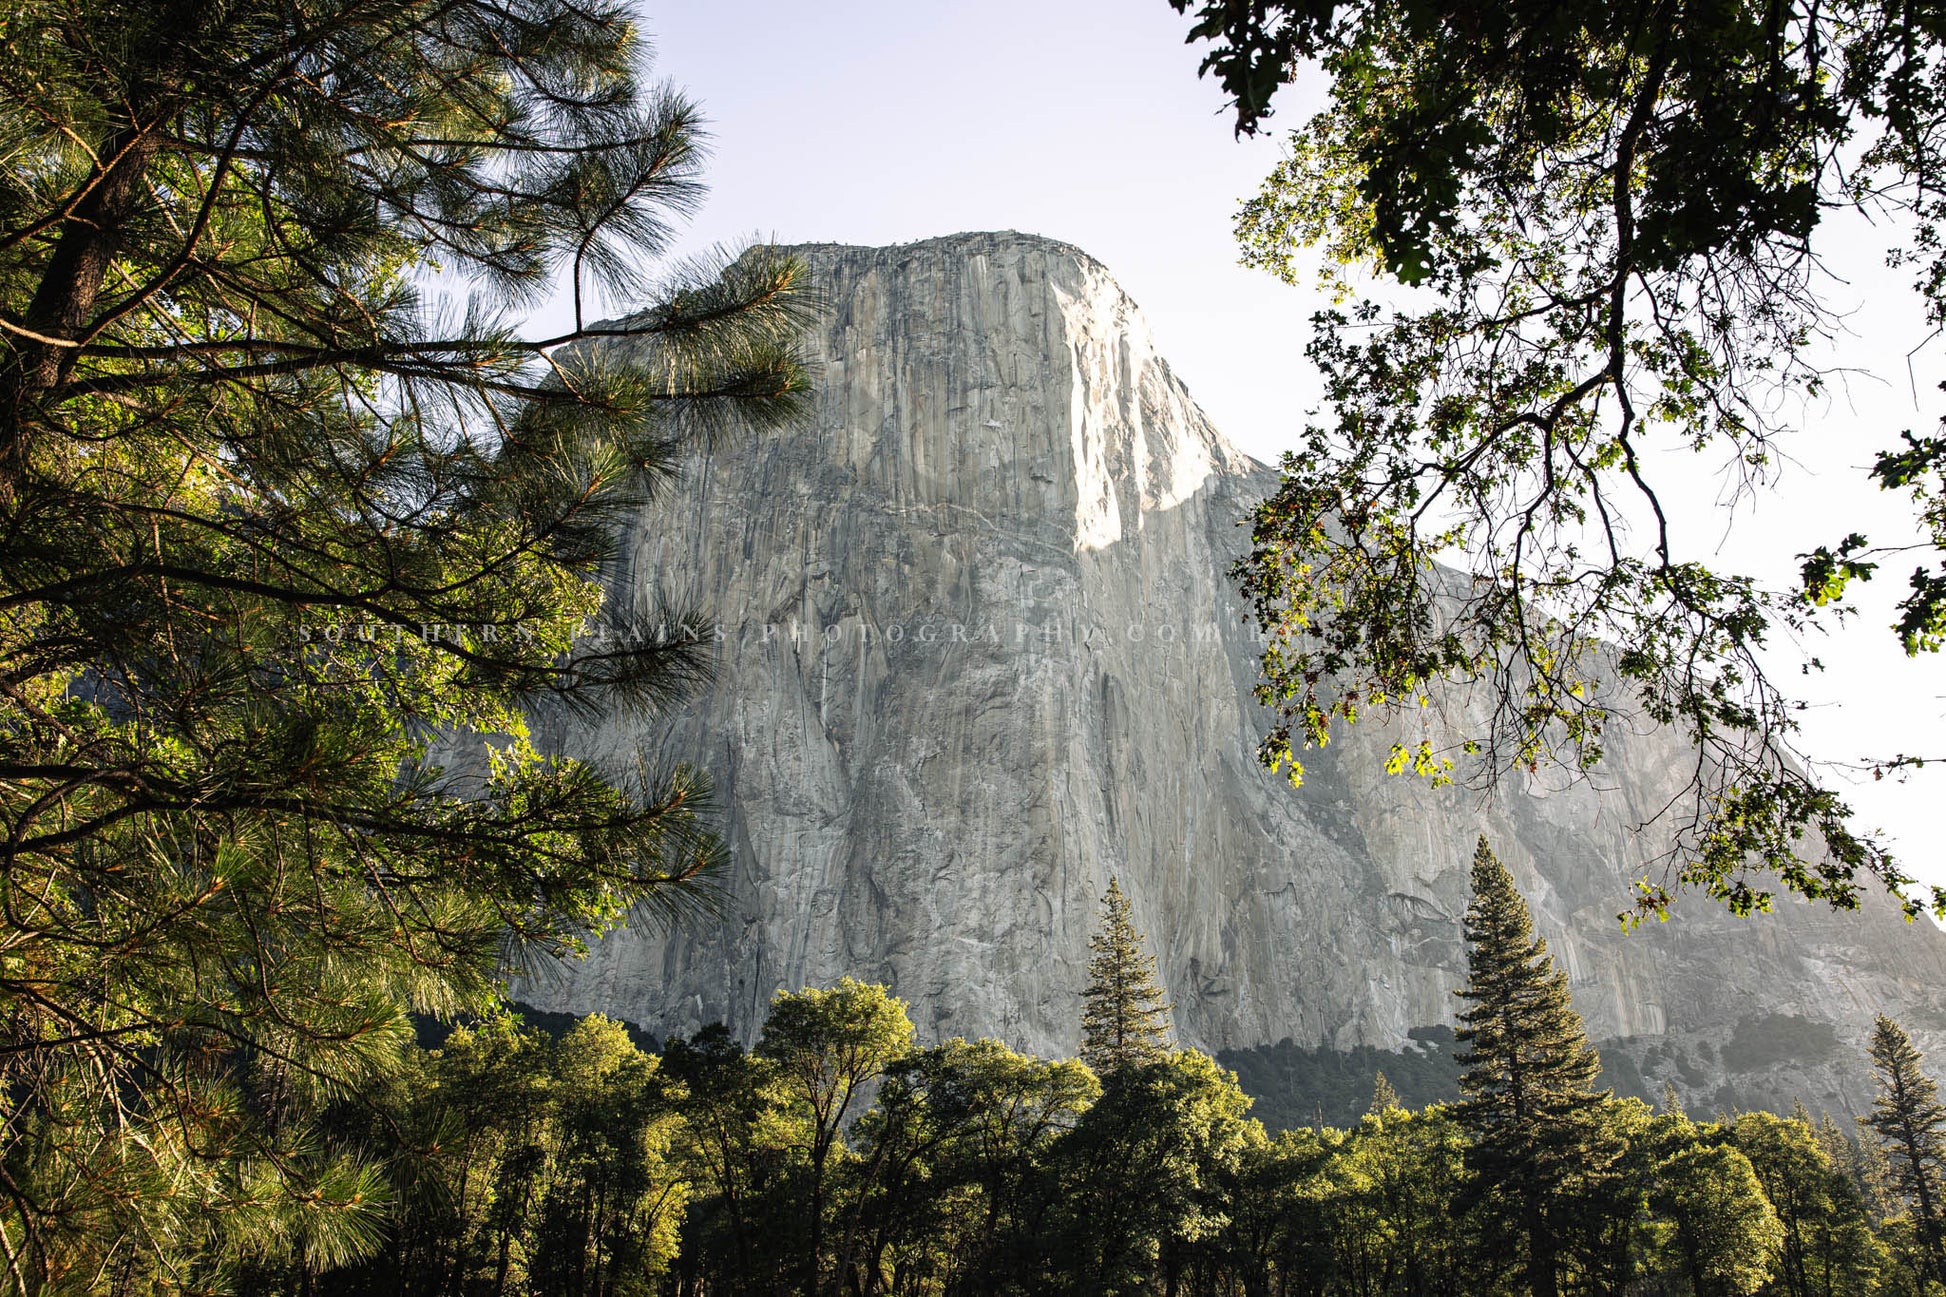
x=978, y=653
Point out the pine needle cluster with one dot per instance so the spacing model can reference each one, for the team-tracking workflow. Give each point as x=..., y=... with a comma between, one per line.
x=1529, y=1077
x=284, y=495
x=1910, y=1123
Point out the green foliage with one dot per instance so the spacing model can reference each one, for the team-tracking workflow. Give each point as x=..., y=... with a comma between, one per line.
x=609, y=1213
x=521, y=1163
x=1480, y=509
x=432, y=1032
x=518, y=1162
x=1279, y=1228
x=1125, y=1014
x=1139, y=1176
x=965, y=1133
x=1911, y=1126
x=1530, y=1107
x=1827, y=1246
x=1607, y=1232
x=740, y=1149
x=826, y=1048
x=1395, y=1181
x=277, y=511
x=1723, y=1230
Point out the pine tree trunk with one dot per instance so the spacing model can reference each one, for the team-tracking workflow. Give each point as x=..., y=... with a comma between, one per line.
x=1541, y=1274
x=69, y=287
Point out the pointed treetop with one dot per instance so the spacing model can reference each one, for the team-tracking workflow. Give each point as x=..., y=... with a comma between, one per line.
x=1530, y=1106
x=1908, y=1104
x=1125, y=1015
x=1497, y=903
x=1384, y=1097
x=1522, y=1027
x=1911, y=1127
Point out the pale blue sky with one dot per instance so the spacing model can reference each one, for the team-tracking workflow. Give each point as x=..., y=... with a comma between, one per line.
x=873, y=123
x=870, y=122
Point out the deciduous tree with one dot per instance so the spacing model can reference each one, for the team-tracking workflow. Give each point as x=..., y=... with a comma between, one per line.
x=1725, y=1231
x=1141, y=1175
x=1614, y=216
x=828, y=1047
x=1827, y=1247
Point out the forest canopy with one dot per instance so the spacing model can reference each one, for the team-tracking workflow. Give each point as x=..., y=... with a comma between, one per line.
x=840, y=1156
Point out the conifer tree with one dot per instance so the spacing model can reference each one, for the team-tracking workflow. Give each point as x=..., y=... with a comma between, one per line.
x=1530, y=1102
x=1862, y=1162
x=287, y=493
x=1384, y=1097
x=1911, y=1125
x=1125, y=1015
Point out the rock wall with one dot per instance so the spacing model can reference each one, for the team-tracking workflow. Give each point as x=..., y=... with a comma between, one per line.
x=978, y=654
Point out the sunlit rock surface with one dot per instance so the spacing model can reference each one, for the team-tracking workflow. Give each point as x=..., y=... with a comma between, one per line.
x=978, y=654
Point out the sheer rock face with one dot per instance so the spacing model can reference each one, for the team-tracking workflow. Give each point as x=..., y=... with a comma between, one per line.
x=978, y=653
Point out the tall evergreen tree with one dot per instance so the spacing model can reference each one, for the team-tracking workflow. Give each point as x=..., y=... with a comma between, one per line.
x=1125, y=1015
x=1530, y=1102
x=276, y=510
x=1911, y=1125
x=1384, y=1097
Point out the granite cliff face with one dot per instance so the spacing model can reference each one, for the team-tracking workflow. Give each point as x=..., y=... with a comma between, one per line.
x=978, y=653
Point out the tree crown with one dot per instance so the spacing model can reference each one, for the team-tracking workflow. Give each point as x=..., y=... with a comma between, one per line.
x=1587, y=294
x=1125, y=1013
